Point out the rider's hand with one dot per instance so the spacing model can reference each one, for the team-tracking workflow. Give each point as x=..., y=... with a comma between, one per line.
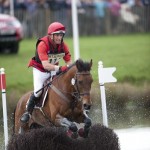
x=63, y=68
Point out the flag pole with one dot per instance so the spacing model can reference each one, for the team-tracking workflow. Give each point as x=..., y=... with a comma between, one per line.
x=3, y=90
x=75, y=29
x=103, y=97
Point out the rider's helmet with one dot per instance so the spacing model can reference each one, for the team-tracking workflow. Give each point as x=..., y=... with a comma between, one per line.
x=56, y=27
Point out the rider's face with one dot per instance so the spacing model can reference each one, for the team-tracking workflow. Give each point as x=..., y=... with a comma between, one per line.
x=57, y=38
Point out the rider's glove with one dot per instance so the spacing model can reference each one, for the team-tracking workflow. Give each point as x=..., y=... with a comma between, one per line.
x=63, y=68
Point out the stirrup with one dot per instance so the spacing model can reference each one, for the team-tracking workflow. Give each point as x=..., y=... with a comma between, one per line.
x=25, y=117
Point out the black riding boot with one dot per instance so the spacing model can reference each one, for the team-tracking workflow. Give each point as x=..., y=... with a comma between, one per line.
x=30, y=106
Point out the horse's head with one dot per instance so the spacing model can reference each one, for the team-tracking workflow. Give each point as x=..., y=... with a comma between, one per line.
x=82, y=82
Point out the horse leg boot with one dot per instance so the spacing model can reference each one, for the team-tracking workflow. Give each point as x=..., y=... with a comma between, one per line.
x=87, y=126
x=83, y=132
x=29, y=109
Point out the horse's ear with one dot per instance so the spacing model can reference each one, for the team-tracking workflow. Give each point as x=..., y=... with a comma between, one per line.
x=77, y=64
x=91, y=63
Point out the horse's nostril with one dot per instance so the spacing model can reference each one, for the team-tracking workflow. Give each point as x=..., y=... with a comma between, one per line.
x=89, y=107
x=86, y=106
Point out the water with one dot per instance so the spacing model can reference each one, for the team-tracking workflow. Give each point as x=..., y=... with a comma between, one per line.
x=134, y=138
x=132, y=125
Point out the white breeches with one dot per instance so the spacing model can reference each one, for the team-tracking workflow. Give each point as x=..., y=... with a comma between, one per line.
x=39, y=78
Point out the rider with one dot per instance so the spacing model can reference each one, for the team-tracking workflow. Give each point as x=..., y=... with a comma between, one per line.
x=49, y=50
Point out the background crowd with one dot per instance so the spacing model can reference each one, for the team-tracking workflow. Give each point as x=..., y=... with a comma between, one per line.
x=108, y=16
x=31, y=5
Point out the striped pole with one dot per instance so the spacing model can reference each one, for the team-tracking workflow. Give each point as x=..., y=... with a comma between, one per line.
x=3, y=90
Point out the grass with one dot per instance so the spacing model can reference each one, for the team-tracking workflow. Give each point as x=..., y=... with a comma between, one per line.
x=130, y=54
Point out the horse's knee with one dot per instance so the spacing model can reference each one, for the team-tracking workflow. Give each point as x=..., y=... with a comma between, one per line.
x=88, y=122
x=73, y=127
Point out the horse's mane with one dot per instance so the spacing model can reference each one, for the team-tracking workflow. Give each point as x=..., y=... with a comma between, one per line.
x=81, y=66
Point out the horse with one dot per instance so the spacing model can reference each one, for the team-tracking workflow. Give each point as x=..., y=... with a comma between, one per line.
x=67, y=103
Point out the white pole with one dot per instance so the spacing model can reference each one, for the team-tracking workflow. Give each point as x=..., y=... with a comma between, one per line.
x=12, y=7
x=75, y=29
x=103, y=97
x=104, y=109
x=3, y=89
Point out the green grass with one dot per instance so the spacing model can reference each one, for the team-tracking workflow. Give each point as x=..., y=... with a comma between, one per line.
x=130, y=54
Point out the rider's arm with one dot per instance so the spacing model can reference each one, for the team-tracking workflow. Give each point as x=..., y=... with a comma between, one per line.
x=48, y=66
x=41, y=49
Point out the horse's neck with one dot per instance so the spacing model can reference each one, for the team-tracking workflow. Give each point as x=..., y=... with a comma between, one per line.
x=66, y=79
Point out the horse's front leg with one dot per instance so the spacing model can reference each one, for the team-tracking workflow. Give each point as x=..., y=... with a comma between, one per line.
x=87, y=123
x=62, y=121
x=83, y=132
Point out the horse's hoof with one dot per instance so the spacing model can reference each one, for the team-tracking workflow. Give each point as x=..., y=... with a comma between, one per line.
x=81, y=132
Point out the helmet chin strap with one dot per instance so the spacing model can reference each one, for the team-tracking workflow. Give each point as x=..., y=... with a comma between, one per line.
x=62, y=38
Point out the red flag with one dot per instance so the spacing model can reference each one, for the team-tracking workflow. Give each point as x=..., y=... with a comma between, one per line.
x=2, y=82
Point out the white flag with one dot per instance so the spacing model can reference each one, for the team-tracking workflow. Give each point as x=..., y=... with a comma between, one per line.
x=105, y=75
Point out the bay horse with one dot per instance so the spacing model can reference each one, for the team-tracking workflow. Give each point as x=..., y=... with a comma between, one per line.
x=67, y=102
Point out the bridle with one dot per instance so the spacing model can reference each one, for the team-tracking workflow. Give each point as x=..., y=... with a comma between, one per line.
x=77, y=94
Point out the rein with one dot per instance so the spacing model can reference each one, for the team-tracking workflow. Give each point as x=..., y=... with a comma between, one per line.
x=57, y=75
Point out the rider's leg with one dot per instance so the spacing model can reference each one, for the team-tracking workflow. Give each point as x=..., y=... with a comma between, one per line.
x=29, y=109
x=38, y=80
